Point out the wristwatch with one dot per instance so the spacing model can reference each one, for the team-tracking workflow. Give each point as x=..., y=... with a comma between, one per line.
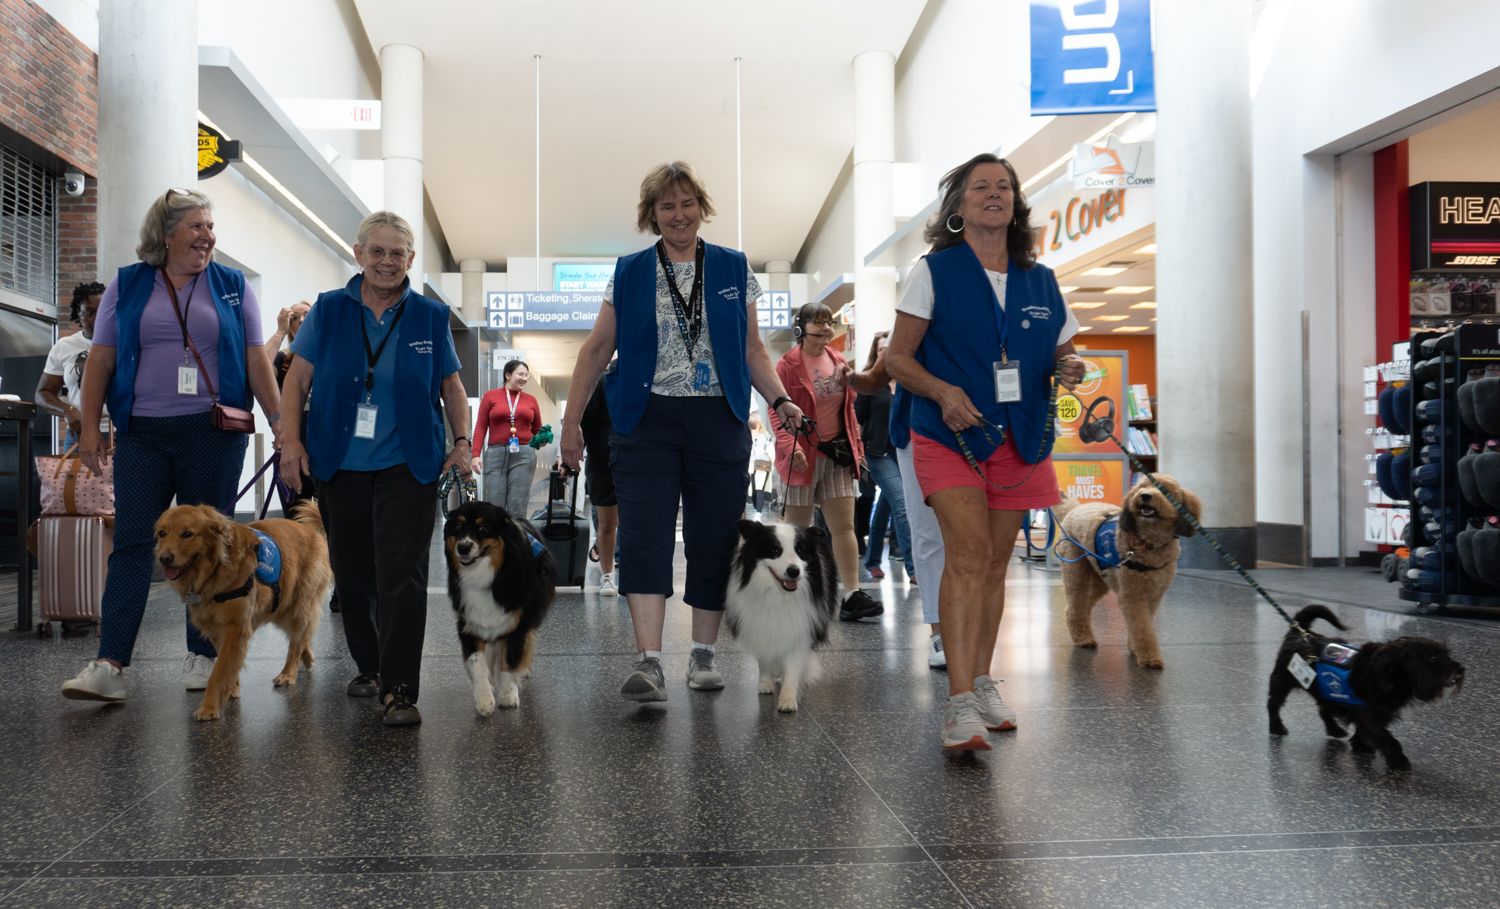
x=780, y=401
x=456, y=438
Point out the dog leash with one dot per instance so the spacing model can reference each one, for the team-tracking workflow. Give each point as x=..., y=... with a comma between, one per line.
x=1051, y=427
x=273, y=464
x=809, y=428
x=468, y=488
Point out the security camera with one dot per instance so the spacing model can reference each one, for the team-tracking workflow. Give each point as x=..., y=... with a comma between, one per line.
x=73, y=183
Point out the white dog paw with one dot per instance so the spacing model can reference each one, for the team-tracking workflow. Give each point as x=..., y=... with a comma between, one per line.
x=787, y=705
x=767, y=686
x=510, y=696
x=485, y=706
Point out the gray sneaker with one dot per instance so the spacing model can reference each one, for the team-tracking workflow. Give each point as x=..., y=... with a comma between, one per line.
x=963, y=730
x=992, y=708
x=700, y=671
x=646, y=683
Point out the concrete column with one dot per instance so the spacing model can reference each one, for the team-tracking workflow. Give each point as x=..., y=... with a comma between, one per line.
x=779, y=274
x=874, y=211
x=401, y=138
x=148, y=121
x=473, y=292
x=1205, y=299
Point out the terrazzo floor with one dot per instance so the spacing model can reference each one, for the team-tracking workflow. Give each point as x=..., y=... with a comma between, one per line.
x=1121, y=787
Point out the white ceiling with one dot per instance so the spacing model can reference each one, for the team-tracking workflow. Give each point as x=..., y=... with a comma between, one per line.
x=626, y=85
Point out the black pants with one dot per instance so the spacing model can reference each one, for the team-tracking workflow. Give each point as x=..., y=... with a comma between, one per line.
x=379, y=532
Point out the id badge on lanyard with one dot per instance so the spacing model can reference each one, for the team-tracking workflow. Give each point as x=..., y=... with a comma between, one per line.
x=702, y=376
x=364, y=421
x=1007, y=381
x=514, y=445
x=187, y=380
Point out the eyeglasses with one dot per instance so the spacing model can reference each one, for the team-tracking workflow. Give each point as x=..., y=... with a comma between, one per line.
x=821, y=323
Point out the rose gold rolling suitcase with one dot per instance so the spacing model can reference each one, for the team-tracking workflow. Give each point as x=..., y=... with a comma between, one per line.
x=73, y=555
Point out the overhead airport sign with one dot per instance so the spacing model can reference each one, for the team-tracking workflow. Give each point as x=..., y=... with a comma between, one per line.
x=582, y=276
x=773, y=309
x=1092, y=56
x=331, y=113
x=543, y=310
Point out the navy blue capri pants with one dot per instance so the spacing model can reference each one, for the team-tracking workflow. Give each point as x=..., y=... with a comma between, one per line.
x=693, y=449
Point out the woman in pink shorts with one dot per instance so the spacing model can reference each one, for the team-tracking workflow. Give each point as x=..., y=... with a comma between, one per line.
x=980, y=331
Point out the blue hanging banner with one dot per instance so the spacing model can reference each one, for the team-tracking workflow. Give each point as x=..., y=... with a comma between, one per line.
x=1092, y=57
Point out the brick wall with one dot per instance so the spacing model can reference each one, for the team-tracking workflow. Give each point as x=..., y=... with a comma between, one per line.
x=49, y=84
x=49, y=93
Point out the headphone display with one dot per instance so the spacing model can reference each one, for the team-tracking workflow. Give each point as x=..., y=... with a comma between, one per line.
x=1097, y=429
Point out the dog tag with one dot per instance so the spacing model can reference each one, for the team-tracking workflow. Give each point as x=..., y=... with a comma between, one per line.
x=702, y=376
x=514, y=446
x=364, y=421
x=187, y=380
x=1301, y=671
x=1007, y=381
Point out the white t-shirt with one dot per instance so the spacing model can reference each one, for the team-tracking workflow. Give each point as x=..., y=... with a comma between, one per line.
x=917, y=298
x=66, y=359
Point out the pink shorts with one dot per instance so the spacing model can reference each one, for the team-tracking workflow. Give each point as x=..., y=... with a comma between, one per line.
x=940, y=467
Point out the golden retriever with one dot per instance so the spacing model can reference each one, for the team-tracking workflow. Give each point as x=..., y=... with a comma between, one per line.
x=1148, y=550
x=211, y=562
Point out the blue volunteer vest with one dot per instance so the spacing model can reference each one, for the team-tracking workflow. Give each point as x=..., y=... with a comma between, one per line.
x=227, y=288
x=963, y=343
x=339, y=376
x=628, y=390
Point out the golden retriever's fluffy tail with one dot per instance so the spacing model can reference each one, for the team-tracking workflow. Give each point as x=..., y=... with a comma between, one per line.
x=307, y=513
x=1061, y=511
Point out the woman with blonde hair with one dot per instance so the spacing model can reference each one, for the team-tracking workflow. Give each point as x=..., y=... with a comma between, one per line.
x=176, y=334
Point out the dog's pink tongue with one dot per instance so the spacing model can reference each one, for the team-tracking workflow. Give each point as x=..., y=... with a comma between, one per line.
x=789, y=584
x=172, y=573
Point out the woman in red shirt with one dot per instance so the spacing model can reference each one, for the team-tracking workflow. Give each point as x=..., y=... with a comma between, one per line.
x=823, y=385
x=508, y=418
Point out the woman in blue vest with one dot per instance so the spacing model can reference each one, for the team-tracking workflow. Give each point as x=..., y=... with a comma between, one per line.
x=980, y=331
x=679, y=313
x=380, y=362
x=153, y=316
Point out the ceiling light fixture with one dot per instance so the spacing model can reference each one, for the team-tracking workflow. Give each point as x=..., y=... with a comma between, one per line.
x=1069, y=156
x=1087, y=304
x=1085, y=328
x=1148, y=250
x=1129, y=328
x=1110, y=318
x=265, y=175
x=1067, y=290
x=1130, y=289
x=1144, y=304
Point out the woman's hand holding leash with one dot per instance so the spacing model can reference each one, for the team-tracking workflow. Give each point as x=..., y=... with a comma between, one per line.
x=791, y=416
x=459, y=458
x=1070, y=370
x=959, y=413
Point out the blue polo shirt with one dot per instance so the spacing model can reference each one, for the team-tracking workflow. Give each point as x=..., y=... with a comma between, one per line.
x=385, y=449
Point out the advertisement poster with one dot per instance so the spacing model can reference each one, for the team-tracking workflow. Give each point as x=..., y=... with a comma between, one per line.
x=1098, y=403
x=1092, y=479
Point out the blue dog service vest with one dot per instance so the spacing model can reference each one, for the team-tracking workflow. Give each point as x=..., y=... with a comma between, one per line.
x=267, y=560
x=1104, y=544
x=1333, y=674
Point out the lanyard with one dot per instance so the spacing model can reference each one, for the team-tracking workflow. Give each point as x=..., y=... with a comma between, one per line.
x=183, y=312
x=512, y=402
x=692, y=309
x=373, y=358
x=1000, y=318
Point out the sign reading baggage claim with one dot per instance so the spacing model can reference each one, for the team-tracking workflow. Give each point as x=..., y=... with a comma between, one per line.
x=547, y=310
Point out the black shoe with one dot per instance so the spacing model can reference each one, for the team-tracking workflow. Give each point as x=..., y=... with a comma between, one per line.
x=333, y=602
x=399, y=710
x=860, y=605
x=364, y=686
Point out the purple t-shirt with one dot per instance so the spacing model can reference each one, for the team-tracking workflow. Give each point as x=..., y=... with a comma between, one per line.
x=161, y=344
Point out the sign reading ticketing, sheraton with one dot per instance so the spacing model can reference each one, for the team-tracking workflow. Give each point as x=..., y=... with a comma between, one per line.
x=543, y=310
x=1455, y=226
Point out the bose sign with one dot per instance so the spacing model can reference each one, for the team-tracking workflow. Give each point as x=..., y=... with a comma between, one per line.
x=1092, y=56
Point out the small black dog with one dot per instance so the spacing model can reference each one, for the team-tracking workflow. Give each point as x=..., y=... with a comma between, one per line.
x=1382, y=680
x=502, y=581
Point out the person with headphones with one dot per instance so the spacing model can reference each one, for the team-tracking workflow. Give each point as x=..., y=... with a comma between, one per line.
x=981, y=331
x=821, y=467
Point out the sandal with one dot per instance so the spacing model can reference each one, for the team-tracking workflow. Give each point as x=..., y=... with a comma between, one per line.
x=399, y=710
x=594, y=553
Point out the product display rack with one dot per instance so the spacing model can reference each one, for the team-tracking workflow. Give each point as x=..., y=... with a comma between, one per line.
x=1438, y=580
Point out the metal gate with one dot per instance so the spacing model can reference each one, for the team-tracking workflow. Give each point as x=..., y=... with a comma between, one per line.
x=28, y=228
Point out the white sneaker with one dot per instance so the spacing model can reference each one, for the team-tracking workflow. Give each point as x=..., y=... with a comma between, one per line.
x=992, y=708
x=197, y=669
x=607, y=585
x=935, y=656
x=963, y=730
x=99, y=681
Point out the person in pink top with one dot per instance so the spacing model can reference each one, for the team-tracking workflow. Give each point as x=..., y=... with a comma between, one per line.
x=821, y=469
x=508, y=418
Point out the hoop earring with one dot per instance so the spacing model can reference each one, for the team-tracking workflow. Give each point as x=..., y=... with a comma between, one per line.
x=949, y=224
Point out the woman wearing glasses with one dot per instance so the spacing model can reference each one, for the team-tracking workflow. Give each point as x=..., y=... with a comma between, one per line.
x=980, y=330
x=175, y=332
x=821, y=468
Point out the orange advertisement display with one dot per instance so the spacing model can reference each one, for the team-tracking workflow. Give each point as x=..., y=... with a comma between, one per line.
x=1096, y=404
x=1092, y=479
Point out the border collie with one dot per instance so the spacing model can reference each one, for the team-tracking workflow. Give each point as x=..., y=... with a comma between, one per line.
x=501, y=581
x=783, y=594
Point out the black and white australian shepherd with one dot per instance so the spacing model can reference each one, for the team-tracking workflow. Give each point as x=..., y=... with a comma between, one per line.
x=502, y=582
x=783, y=593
